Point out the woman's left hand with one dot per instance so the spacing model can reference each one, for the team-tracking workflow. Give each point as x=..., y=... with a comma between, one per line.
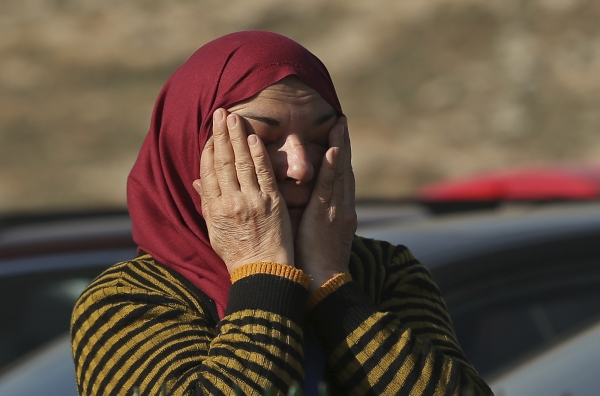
x=324, y=238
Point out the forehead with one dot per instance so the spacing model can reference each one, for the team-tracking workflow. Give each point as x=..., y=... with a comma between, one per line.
x=290, y=91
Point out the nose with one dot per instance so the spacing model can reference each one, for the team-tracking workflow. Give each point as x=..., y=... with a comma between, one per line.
x=298, y=165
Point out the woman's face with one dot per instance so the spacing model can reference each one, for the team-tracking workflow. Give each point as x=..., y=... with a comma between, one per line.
x=293, y=121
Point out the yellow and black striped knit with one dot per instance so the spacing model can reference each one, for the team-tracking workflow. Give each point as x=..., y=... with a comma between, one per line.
x=384, y=329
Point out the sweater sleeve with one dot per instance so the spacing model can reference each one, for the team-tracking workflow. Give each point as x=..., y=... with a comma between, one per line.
x=386, y=329
x=138, y=326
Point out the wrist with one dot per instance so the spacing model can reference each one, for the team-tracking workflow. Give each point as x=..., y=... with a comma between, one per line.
x=281, y=270
x=277, y=257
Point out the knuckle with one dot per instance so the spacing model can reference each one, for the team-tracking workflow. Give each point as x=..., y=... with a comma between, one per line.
x=244, y=166
x=232, y=207
x=222, y=163
x=327, y=183
x=220, y=136
x=264, y=174
x=236, y=139
x=259, y=156
x=206, y=173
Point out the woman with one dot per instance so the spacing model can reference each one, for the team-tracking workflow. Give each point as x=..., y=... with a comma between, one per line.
x=247, y=245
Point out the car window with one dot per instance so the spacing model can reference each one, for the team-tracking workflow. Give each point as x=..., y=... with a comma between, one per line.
x=37, y=296
x=37, y=307
x=48, y=370
x=498, y=334
x=568, y=367
x=508, y=303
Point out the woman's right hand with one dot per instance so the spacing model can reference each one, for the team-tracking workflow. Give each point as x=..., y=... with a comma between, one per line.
x=245, y=214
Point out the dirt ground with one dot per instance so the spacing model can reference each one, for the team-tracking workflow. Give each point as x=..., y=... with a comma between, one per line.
x=433, y=89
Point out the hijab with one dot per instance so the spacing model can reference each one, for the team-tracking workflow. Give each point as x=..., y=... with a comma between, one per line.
x=164, y=207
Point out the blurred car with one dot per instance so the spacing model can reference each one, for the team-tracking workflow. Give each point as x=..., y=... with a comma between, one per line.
x=570, y=367
x=540, y=184
x=49, y=371
x=516, y=280
x=45, y=263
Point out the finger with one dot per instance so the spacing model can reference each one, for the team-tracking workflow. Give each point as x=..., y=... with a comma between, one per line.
x=349, y=180
x=262, y=165
x=324, y=185
x=208, y=177
x=224, y=159
x=336, y=139
x=244, y=164
x=197, y=184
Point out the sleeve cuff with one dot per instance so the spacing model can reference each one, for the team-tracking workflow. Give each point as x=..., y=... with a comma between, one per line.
x=283, y=270
x=268, y=287
x=327, y=288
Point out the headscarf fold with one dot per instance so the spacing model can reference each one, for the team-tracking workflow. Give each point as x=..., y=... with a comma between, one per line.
x=163, y=205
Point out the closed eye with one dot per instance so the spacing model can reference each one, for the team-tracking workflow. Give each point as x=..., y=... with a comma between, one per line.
x=323, y=119
x=267, y=120
x=275, y=123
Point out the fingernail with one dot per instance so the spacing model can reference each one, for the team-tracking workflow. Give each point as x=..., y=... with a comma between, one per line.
x=332, y=155
x=218, y=116
x=231, y=120
x=197, y=186
x=252, y=140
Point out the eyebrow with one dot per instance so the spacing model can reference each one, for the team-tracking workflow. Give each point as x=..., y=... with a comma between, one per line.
x=274, y=122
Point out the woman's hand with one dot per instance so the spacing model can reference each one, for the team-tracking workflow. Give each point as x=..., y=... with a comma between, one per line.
x=328, y=224
x=246, y=216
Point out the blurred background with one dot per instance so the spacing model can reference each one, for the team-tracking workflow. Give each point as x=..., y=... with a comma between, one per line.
x=433, y=89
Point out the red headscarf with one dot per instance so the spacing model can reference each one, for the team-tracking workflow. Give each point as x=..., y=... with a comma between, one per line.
x=164, y=207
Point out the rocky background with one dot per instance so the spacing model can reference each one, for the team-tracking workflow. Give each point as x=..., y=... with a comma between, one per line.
x=433, y=89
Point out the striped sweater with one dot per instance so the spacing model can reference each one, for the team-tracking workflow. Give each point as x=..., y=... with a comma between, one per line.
x=383, y=327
